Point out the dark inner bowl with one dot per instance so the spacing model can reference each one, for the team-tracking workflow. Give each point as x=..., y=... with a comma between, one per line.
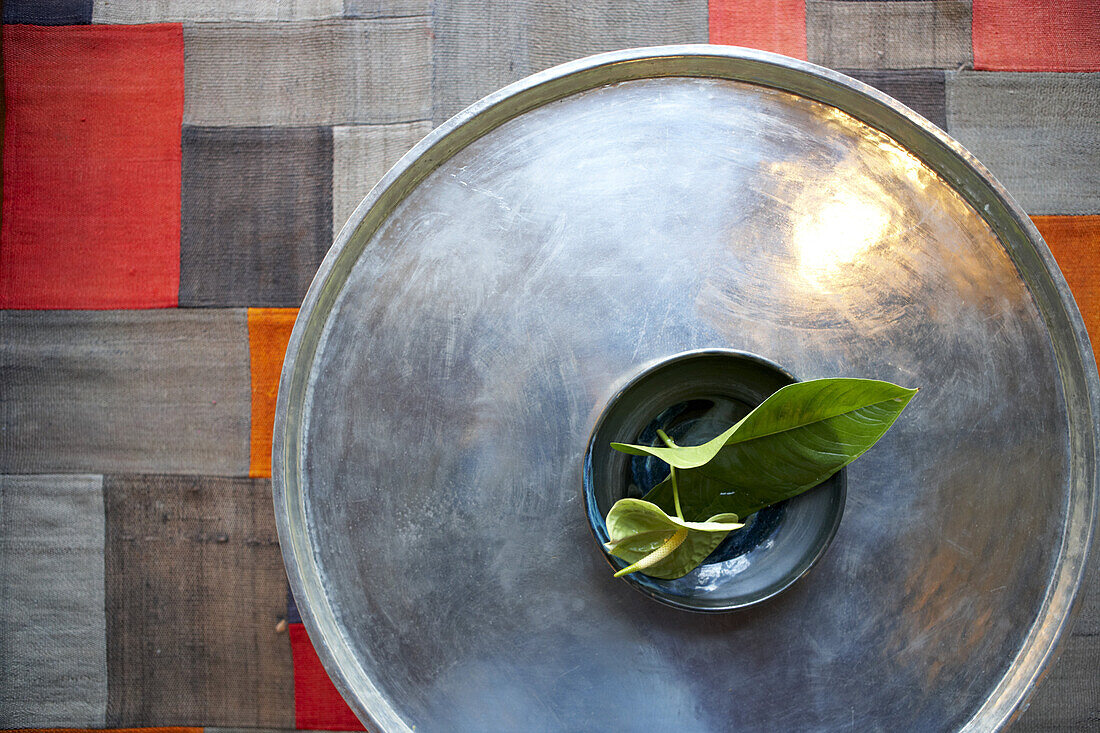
x=693, y=397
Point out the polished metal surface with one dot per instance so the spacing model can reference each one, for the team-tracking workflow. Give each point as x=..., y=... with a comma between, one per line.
x=507, y=276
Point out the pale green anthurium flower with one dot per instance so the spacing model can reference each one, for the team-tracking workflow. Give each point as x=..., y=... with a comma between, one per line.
x=664, y=547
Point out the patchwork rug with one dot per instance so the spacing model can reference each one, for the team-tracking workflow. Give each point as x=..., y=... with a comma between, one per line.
x=173, y=173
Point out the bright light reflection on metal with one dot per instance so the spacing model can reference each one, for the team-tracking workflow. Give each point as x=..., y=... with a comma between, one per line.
x=906, y=163
x=836, y=234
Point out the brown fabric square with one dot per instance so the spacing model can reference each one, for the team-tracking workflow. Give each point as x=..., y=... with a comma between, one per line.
x=195, y=588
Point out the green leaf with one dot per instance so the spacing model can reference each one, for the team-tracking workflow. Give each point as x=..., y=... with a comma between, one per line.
x=660, y=545
x=681, y=456
x=794, y=440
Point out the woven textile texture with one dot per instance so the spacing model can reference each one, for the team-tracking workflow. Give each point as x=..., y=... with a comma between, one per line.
x=110, y=98
x=174, y=173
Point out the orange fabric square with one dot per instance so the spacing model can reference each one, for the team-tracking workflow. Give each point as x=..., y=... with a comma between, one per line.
x=1075, y=243
x=268, y=333
x=317, y=703
x=769, y=25
x=1036, y=35
x=92, y=164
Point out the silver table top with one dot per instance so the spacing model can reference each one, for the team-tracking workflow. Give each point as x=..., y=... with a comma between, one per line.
x=511, y=271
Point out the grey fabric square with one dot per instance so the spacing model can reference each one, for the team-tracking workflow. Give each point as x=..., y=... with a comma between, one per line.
x=924, y=34
x=1068, y=698
x=162, y=11
x=53, y=648
x=1039, y=133
x=157, y=390
x=386, y=8
x=307, y=73
x=1067, y=701
x=257, y=214
x=479, y=47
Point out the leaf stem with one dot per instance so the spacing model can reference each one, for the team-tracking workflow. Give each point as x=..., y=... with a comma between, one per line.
x=676, y=494
x=672, y=472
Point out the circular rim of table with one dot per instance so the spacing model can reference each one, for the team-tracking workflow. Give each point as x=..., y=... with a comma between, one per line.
x=945, y=156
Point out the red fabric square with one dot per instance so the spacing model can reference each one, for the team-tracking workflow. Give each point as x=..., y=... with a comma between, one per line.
x=91, y=215
x=769, y=25
x=317, y=704
x=1036, y=35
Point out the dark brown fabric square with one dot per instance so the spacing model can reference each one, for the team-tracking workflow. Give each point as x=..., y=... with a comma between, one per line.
x=257, y=214
x=195, y=588
x=920, y=89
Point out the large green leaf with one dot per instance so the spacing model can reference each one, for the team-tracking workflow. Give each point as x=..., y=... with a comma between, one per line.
x=660, y=545
x=794, y=440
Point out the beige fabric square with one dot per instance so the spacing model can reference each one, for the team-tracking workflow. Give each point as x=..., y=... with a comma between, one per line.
x=361, y=155
x=307, y=73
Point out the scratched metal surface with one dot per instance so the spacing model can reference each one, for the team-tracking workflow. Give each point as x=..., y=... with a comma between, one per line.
x=527, y=257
